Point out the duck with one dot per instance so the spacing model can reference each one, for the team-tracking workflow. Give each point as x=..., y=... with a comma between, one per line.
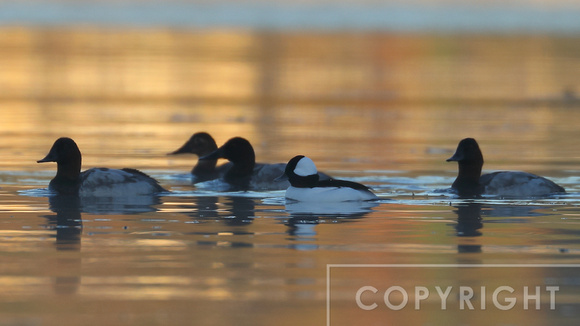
x=202, y=144
x=245, y=173
x=471, y=184
x=95, y=182
x=306, y=186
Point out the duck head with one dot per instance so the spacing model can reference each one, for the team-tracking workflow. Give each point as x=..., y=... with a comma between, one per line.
x=63, y=151
x=67, y=156
x=301, y=172
x=200, y=143
x=467, y=152
x=240, y=152
x=236, y=150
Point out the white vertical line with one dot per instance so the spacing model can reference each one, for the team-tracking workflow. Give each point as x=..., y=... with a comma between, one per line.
x=327, y=294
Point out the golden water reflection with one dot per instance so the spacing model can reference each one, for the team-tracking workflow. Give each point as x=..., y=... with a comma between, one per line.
x=224, y=66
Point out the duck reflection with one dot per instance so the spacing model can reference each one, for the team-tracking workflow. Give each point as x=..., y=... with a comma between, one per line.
x=67, y=222
x=469, y=219
x=305, y=216
x=120, y=205
x=346, y=209
x=469, y=222
x=68, y=208
x=235, y=212
x=231, y=210
x=241, y=209
x=302, y=226
x=68, y=225
x=205, y=207
x=240, y=213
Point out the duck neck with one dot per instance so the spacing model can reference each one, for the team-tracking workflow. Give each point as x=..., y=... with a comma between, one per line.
x=204, y=167
x=67, y=179
x=467, y=182
x=241, y=169
x=69, y=170
x=239, y=175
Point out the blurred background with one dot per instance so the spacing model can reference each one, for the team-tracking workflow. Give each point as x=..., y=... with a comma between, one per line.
x=425, y=72
x=255, y=50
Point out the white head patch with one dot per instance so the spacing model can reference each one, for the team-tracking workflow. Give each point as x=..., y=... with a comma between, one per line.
x=305, y=167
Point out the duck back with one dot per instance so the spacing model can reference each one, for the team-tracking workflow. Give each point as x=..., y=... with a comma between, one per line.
x=517, y=184
x=114, y=182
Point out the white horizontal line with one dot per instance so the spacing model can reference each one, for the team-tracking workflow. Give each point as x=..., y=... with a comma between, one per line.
x=452, y=265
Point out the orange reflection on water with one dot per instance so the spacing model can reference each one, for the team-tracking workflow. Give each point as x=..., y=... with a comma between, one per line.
x=218, y=65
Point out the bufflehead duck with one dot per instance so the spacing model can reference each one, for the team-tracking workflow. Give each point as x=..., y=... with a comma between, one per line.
x=96, y=181
x=202, y=144
x=470, y=182
x=305, y=185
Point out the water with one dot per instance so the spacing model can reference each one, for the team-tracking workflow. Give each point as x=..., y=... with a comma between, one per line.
x=385, y=110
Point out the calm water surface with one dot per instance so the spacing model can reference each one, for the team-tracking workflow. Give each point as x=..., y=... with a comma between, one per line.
x=384, y=110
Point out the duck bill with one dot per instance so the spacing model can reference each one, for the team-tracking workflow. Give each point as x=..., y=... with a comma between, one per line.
x=49, y=158
x=218, y=153
x=455, y=158
x=181, y=150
